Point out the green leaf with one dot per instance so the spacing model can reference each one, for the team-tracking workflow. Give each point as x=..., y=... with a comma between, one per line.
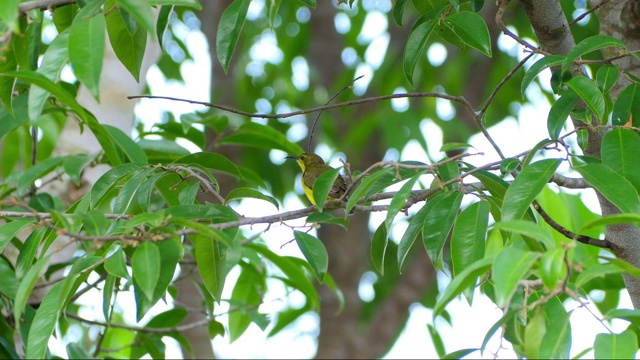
x=36, y=172
x=53, y=60
x=559, y=112
x=462, y=281
x=627, y=106
x=362, y=188
x=471, y=28
x=9, y=230
x=588, y=45
x=415, y=227
x=379, y=248
x=510, y=267
x=556, y=342
x=537, y=68
x=610, y=220
x=417, y=40
x=612, y=186
x=294, y=274
x=595, y=272
x=527, y=228
x=145, y=265
x=311, y=3
x=210, y=257
x=195, y=4
x=261, y=136
x=239, y=193
x=533, y=333
x=620, y=148
x=467, y=240
x=589, y=92
x=26, y=284
x=211, y=161
x=438, y=224
x=229, y=29
x=509, y=165
x=128, y=46
x=322, y=187
x=110, y=179
x=116, y=264
x=6, y=83
x=141, y=10
x=9, y=14
x=44, y=323
x=86, y=51
x=552, y=268
x=74, y=166
x=606, y=77
x=247, y=293
x=398, y=11
x=101, y=134
x=314, y=251
x=128, y=192
x=398, y=201
x=327, y=218
x=526, y=186
x=616, y=346
x=169, y=318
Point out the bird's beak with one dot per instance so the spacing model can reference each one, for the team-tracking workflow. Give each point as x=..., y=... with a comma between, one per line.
x=291, y=157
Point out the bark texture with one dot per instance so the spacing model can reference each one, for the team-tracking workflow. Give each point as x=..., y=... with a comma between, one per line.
x=620, y=19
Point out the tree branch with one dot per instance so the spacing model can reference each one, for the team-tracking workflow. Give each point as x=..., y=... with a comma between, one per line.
x=42, y=4
x=606, y=244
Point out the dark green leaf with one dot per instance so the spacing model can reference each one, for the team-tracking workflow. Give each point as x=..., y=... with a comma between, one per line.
x=398, y=11
x=129, y=47
x=589, y=92
x=116, y=265
x=468, y=238
x=537, y=68
x=588, y=45
x=110, y=179
x=239, y=193
x=322, y=187
x=229, y=29
x=620, y=148
x=86, y=51
x=416, y=42
x=438, y=224
x=141, y=10
x=11, y=229
x=379, y=248
x=314, y=251
x=257, y=135
x=145, y=265
x=607, y=77
x=471, y=28
x=559, y=113
x=627, y=106
x=398, y=201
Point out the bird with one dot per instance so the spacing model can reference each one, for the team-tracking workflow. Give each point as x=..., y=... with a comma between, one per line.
x=312, y=167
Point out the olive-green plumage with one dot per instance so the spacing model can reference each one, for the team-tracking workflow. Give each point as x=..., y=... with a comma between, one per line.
x=312, y=167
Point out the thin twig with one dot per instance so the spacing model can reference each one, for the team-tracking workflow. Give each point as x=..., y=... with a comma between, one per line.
x=584, y=14
x=499, y=86
x=313, y=127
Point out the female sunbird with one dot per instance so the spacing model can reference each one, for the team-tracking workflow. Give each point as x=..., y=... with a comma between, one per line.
x=313, y=166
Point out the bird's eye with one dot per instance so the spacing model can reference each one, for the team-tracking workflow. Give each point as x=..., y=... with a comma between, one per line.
x=302, y=157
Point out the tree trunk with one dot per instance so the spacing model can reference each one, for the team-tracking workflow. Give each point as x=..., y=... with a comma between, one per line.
x=620, y=19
